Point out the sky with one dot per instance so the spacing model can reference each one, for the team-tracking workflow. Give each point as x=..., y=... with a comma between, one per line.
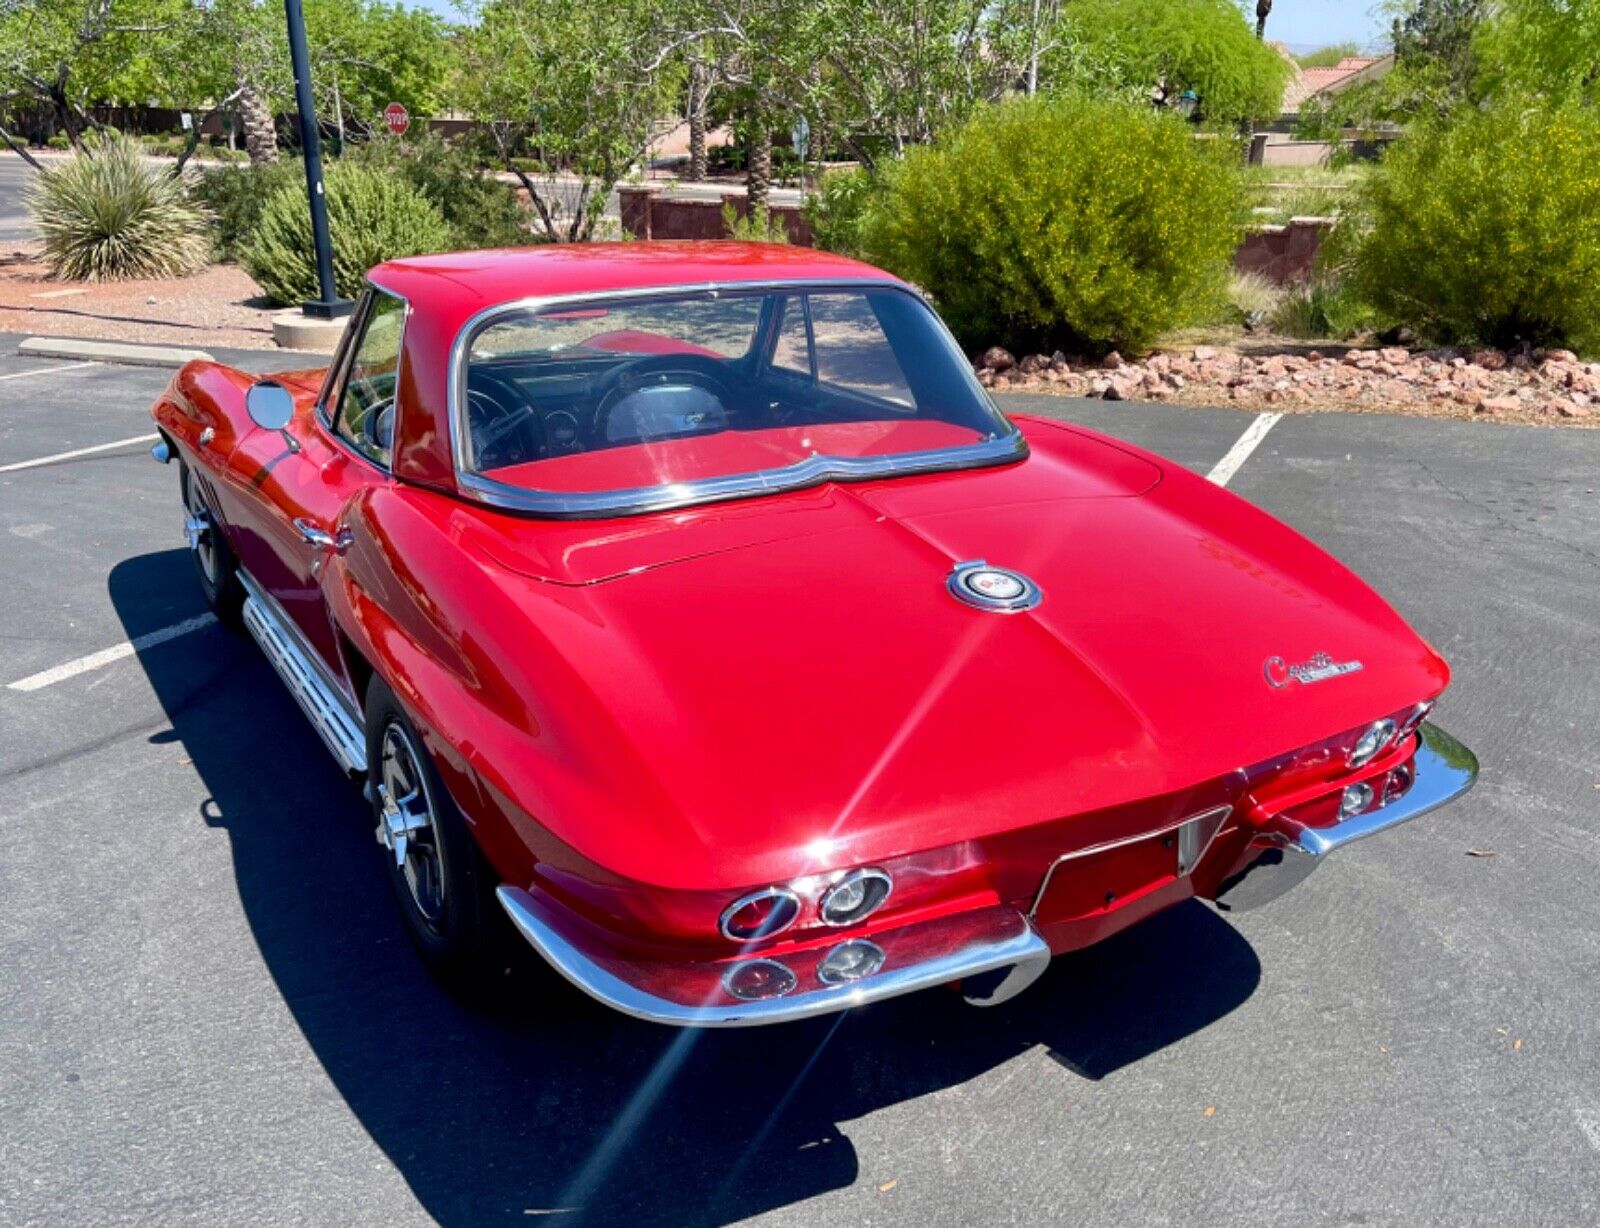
x=1304, y=24
x=1308, y=24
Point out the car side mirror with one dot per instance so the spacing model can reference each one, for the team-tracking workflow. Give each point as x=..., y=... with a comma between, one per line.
x=271, y=407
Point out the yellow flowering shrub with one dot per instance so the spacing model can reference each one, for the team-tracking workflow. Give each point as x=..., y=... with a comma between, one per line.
x=1486, y=230
x=1063, y=222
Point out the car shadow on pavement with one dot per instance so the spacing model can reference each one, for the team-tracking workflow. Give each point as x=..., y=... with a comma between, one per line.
x=547, y=1102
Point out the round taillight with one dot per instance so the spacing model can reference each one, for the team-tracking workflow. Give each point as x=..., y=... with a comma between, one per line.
x=850, y=961
x=1357, y=797
x=1398, y=784
x=755, y=979
x=1378, y=735
x=855, y=897
x=760, y=914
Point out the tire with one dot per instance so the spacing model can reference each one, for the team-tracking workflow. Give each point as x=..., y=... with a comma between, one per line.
x=214, y=561
x=442, y=884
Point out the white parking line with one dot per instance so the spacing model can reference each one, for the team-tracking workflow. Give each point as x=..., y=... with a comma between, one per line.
x=71, y=366
x=1243, y=446
x=108, y=656
x=76, y=452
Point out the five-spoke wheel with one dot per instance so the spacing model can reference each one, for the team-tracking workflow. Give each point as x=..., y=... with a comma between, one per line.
x=406, y=824
x=213, y=560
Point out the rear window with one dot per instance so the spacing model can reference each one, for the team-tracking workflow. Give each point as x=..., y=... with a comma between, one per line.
x=638, y=392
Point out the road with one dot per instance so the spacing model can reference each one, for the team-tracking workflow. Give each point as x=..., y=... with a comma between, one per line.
x=208, y=1013
x=15, y=225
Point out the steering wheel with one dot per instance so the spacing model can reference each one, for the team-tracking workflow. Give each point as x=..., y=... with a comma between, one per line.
x=698, y=370
x=378, y=426
x=505, y=429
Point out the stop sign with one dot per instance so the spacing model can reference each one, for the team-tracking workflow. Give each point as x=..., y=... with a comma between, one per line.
x=397, y=117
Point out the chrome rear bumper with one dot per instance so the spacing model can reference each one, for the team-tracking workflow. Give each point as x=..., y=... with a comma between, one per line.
x=1443, y=769
x=995, y=948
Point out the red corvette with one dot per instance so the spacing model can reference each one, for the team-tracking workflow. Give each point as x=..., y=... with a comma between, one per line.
x=693, y=605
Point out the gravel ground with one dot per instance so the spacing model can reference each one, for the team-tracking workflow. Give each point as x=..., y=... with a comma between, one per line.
x=218, y=307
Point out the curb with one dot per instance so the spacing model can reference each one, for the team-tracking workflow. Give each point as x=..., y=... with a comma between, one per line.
x=114, y=352
x=294, y=330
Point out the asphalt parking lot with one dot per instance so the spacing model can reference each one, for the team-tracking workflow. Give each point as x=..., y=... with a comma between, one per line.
x=208, y=1012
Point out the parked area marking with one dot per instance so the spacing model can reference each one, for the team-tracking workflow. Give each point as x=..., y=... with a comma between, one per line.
x=76, y=452
x=108, y=656
x=71, y=366
x=1240, y=452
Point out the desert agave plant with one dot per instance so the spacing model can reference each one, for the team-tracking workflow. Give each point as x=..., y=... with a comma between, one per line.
x=110, y=215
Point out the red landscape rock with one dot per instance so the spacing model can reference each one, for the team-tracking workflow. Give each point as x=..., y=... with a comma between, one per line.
x=1440, y=382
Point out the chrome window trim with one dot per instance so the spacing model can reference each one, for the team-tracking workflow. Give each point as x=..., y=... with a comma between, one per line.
x=1006, y=446
x=345, y=358
x=337, y=362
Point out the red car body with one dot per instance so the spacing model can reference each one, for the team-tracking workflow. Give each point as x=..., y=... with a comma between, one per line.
x=645, y=718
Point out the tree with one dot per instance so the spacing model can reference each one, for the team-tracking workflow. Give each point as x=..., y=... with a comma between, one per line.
x=1329, y=56
x=1168, y=46
x=1548, y=48
x=575, y=84
x=697, y=111
x=1435, y=71
x=66, y=55
x=364, y=55
x=1436, y=36
x=1263, y=11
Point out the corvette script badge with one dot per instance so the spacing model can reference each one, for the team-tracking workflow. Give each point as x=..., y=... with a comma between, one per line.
x=1320, y=668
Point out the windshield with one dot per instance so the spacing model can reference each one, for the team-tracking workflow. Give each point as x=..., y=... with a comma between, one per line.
x=634, y=394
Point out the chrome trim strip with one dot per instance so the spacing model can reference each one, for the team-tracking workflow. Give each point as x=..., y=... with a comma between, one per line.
x=334, y=374
x=322, y=700
x=1007, y=446
x=1108, y=845
x=1443, y=770
x=1012, y=943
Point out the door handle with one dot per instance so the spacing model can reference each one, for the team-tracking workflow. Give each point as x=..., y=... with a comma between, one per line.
x=314, y=535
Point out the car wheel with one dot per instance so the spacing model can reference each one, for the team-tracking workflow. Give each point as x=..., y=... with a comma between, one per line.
x=443, y=885
x=213, y=560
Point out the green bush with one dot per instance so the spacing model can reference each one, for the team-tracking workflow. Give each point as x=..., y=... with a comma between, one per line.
x=236, y=196
x=108, y=214
x=373, y=216
x=1487, y=230
x=760, y=225
x=1322, y=309
x=1067, y=222
x=1251, y=296
x=836, y=209
x=480, y=210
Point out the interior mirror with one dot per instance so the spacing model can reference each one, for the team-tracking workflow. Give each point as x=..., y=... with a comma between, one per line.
x=270, y=405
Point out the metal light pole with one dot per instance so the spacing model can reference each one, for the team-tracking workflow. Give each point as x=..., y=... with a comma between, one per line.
x=329, y=306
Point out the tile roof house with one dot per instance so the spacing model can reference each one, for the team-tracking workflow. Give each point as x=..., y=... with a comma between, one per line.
x=1305, y=83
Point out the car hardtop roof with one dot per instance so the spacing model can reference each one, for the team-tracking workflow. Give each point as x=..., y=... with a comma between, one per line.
x=466, y=282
